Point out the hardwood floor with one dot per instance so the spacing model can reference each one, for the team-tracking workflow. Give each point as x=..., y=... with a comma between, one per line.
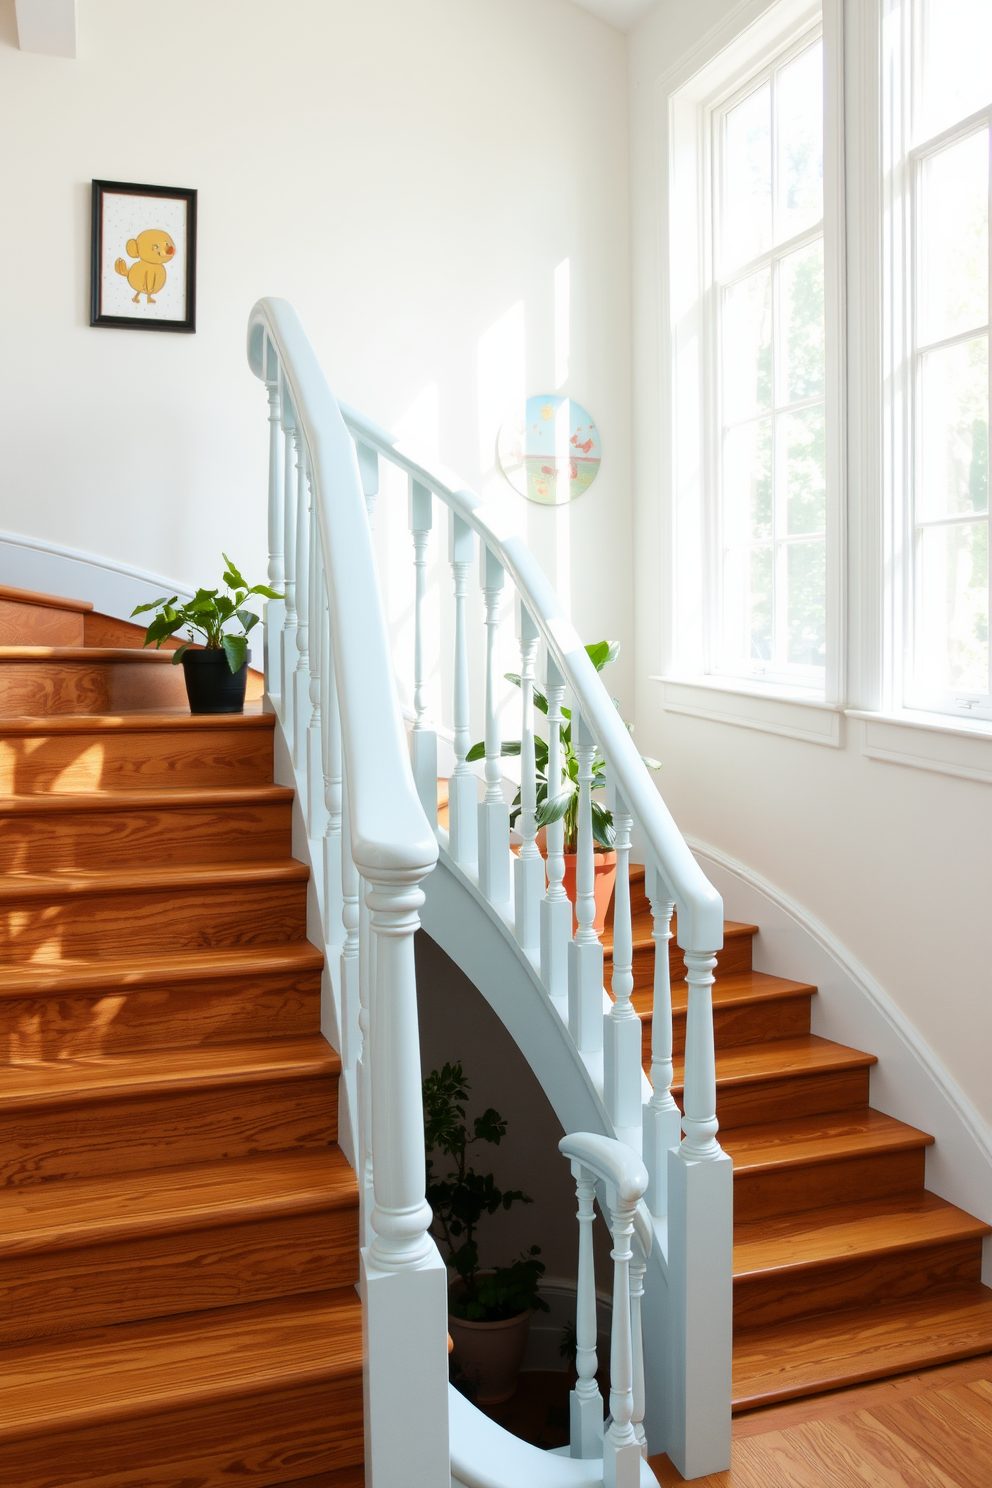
x=924, y=1430
x=179, y=1243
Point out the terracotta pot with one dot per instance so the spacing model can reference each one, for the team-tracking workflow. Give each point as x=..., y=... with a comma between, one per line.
x=490, y=1354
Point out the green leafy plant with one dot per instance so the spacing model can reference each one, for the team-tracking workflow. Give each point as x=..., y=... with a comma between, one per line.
x=209, y=612
x=463, y=1196
x=564, y=805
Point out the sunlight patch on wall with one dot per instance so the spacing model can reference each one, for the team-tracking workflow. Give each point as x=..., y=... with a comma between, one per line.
x=501, y=378
x=563, y=275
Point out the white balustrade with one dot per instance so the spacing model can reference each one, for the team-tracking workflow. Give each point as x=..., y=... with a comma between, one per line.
x=331, y=768
x=301, y=693
x=556, y=908
x=622, y=1026
x=287, y=650
x=275, y=608
x=585, y=1401
x=662, y=1120
x=494, y=814
x=424, y=738
x=315, y=804
x=585, y=952
x=528, y=868
x=463, y=792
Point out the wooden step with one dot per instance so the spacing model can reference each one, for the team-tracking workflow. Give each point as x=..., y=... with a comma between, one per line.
x=748, y=1008
x=735, y=956
x=150, y=1244
x=84, y=1118
x=787, y=1166
x=115, y=829
x=65, y=916
x=167, y=1000
x=260, y=1392
x=134, y=751
x=37, y=681
x=28, y=618
x=806, y=1076
x=878, y=1250
x=811, y=1355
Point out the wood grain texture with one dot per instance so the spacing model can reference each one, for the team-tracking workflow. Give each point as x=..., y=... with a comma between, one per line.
x=105, y=630
x=27, y=624
x=805, y=1076
x=40, y=834
x=748, y=1007
x=39, y=680
x=37, y=597
x=111, y=752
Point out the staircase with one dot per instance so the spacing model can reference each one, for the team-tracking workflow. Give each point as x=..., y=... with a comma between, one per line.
x=180, y=1228
x=845, y=1267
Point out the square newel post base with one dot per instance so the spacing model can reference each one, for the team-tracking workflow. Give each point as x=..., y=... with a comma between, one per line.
x=585, y=1417
x=275, y=619
x=585, y=994
x=556, y=937
x=463, y=819
x=621, y=1468
x=405, y=1348
x=622, y=1070
x=528, y=891
x=494, y=851
x=700, y=1283
x=661, y=1131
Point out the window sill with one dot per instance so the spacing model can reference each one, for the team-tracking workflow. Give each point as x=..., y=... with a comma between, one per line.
x=771, y=710
x=927, y=741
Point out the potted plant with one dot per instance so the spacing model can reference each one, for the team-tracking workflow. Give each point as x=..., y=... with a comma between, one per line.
x=489, y=1311
x=564, y=806
x=216, y=672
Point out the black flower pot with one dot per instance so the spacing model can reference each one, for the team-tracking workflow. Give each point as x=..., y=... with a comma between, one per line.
x=211, y=686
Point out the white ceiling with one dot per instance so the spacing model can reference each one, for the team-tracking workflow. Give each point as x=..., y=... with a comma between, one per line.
x=618, y=13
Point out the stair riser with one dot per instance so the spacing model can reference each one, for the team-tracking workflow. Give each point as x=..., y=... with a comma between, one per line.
x=56, y=1292
x=39, y=625
x=139, y=1131
x=792, y=1095
x=761, y=1195
x=260, y=1439
x=778, y=1297
x=181, y=1015
x=41, y=688
x=104, y=759
x=734, y=1027
x=735, y=956
x=181, y=919
x=122, y=839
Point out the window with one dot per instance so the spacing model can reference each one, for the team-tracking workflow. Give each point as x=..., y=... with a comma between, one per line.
x=769, y=565
x=945, y=384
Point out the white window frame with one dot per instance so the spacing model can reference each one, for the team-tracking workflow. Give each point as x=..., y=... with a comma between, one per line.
x=765, y=34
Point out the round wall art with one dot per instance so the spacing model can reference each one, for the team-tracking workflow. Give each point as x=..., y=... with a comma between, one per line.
x=550, y=452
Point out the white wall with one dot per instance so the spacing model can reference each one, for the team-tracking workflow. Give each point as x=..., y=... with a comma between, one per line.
x=894, y=861
x=409, y=176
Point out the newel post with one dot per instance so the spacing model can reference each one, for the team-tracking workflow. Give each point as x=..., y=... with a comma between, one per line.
x=403, y=1279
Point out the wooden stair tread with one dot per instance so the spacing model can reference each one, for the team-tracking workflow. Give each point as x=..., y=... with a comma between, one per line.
x=164, y=799
x=736, y=989
x=807, y=1054
x=75, y=881
x=48, y=601
x=642, y=928
x=809, y=1355
x=847, y=1231
x=134, y=971
x=85, y=653
x=138, y=1369
x=817, y=1139
x=137, y=720
x=159, y=1201
x=61, y=1082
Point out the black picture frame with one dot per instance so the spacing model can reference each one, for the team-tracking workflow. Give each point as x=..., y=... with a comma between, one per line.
x=137, y=322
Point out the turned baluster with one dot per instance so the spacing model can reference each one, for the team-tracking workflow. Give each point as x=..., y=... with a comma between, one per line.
x=585, y=1401
x=301, y=716
x=699, y=1094
x=494, y=814
x=316, y=809
x=556, y=911
x=354, y=1013
x=366, y=995
x=463, y=818
x=274, y=608
x=424, y=741
x=585, y=952
x=288, y=650
x=661, y=1118
x=528, y=869
x=638, y=1266
x=622, y=1027
x=331, y=766
x=621, y=1449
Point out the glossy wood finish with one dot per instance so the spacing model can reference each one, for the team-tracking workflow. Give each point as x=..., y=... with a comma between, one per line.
x=34, y=597
x=25, y=624
x=179, y=1239
x=845, y=1267
x=39, y=680
x=105, y=630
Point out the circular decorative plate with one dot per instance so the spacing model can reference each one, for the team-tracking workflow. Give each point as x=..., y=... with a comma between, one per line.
x=550, y=452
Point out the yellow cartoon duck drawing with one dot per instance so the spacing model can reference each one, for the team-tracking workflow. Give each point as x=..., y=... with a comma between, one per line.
x=153, y=249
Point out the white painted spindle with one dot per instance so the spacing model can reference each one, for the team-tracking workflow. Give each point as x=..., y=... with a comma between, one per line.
x=331, y=766
x=316, y=809
x=638, y=1266
x=494, y=814
x=354, y=1010
x=528, y=868
x=585, y=1401
x=556, y=910
x=661, y=1119
x=622, y=1026
x=275, y=608
x=463, y=792
x=288, y=650
x=621, y=1449
x=585, y=952
x=424, y=740
x=366, y=993
x=301, y=718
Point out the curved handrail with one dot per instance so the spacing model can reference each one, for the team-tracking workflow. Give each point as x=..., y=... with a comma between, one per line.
x=388, y=825
x=700, y=920
x=611, y=1161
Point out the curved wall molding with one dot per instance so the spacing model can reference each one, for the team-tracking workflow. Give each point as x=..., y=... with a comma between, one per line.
x=908, y=1082
x=112, y=588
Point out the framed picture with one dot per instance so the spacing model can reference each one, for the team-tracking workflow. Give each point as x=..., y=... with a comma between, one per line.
x=143, y=274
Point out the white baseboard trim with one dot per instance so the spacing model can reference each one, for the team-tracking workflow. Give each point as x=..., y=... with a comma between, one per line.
x=112, y=588
x=909, y=1082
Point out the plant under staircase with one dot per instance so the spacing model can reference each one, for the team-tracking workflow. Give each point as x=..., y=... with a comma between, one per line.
x=180, y=1228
